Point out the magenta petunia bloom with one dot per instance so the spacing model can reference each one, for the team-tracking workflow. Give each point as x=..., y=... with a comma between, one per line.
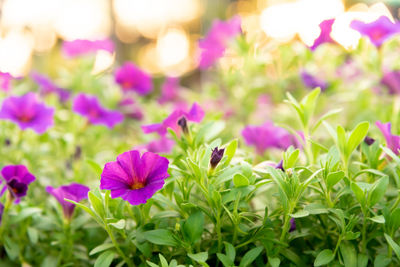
x=48, y=87
x=135, y=178
x=17, y=178
x=83, y=47
x=312, y=82
x=131, y=78
x=377, y=31
x=213, y=46
x=129, y=108
x=162, y=145
x=391, y=80
x=392, y=141
x=325, y=35
x=74, y=191
x=5, y=81
x=169, y=90
x=89, y=106
x=27, y=112
x=268, y=136
x=195, y=114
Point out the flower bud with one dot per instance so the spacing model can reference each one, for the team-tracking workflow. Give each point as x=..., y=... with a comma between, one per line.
x=280, y=166
x=182, y=122
x=292, y=225
x=216, y=156
x=369, y=140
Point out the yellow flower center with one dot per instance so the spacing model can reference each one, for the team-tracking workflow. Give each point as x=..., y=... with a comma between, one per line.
x=137, y=186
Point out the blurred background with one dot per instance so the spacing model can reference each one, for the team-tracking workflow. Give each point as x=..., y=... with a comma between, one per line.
x=161, y=35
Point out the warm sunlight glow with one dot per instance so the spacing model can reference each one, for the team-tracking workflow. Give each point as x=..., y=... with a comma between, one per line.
x=172, y=47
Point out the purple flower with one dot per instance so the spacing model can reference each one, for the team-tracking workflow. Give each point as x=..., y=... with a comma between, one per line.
x=391, y=80
x=195, y=114
x=17, y=178
x=377, y=31
x=325, y=35
x=82, y=47
x=5, y=81
x=312, y=82
x=27, y=112
x=48, y=87
x=135, y=178
x=130, y=77
x=214, y=44
x=89, y=107
x=162, y=145
x=216, y=156
x=128, y=107
x=268, y=136
x=74, y=191
x=392, y=141
x=169, y=90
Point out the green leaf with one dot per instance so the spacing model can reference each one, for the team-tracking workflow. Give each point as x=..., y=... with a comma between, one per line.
x=230, y=151
x=357, y=136
x=308, y=104
x=250, y=256
x=362, y=260
x=324, y=117
x=274, y=262
x=95, y=166
x=324, y=257
x=105, y=259
x=240, y=180
x=161, y=237
x=87, y=209
x=226, y=261
x=97, y=205
x=101, y=248
x=291, y=160
x=119, y=225
x=230, y=251
x=358, y=192
x=394, y=245
x=25, y=213
x=378, y=219
x=341, y=139
x=378, y=191
x=12, y=248
x=163, y=261
x=349, y=254
x=300, y=214
x=333, y=178
x=199, y=257
x=33, y=235
x=194, y=226
x=382, y=261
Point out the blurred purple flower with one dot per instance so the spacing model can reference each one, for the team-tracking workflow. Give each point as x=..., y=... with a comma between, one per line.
x=162, y=145
x=391, y=80
x=82, y=47
x=48, y=87
x=131, y=78
x=5, y=81
x=268, y=136
x=128, y=107
x=74, y=191
x=292, y=225
x=325, y=35
x=135, y=178
x=392, y=141
x=377, y=31
x=214, y=44
x=169, y=90
x=89, y=106
x=27, y=112
x=349, y=70
x=195, y=114
x=312, y=82
x=17, y=178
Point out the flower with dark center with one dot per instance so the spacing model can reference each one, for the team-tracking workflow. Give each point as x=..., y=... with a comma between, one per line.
x=134, y=177
x=131, y=78
x=17, y=178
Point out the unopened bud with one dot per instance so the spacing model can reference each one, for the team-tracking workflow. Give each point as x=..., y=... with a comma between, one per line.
x=182, y=122
x=216, y=156
x=369, y=140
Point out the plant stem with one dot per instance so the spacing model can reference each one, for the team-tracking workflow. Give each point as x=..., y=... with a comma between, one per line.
x=285, y=229
x=114, y=241
x=364, y=230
